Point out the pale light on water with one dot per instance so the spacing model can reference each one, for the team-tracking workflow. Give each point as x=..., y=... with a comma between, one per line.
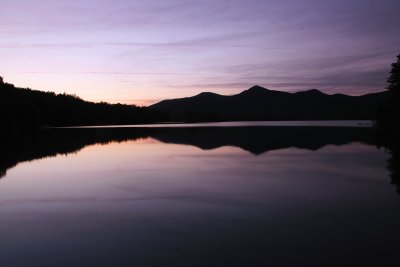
x=332, y=123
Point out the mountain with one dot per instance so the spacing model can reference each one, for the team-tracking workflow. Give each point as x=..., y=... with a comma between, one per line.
x=258, y=103
x=22, y=108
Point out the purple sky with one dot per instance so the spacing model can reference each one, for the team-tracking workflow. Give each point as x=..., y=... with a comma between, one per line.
x=144, y=51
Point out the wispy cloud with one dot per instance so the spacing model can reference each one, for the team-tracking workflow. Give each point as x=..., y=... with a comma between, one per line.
x=117, y=73
x=223, y=40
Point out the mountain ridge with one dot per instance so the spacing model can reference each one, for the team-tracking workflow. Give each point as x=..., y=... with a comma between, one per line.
x=259, y=103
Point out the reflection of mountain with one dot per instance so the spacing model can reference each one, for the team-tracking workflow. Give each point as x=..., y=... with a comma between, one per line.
x=256, y=140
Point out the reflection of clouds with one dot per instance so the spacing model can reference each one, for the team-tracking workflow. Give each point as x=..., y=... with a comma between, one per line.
x=220, y=199
x=46, y=200
x=235, y=180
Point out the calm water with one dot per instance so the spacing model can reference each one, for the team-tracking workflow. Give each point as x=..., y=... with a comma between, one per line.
x=240, y=196
x=332, y=123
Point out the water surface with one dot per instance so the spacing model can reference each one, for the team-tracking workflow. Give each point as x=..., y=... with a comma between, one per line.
x=325, y=123
x=240, y=196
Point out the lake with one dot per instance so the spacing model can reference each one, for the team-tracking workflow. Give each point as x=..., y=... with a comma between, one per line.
x=330, y=123
x=198, y=196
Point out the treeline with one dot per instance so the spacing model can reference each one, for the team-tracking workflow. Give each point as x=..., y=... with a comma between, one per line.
x=388, y=121
x=24, y=107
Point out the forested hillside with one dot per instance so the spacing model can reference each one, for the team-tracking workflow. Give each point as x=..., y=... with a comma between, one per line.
x=20, y=108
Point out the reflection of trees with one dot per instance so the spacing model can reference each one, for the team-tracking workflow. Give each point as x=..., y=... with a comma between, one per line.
x=33, y=145
x=394, y=164
x=36, y=144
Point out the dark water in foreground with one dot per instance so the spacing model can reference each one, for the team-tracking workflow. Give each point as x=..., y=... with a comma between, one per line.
x=242, y=196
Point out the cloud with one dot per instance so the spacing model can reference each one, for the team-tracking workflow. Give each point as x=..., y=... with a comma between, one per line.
x=118, y=73
x=222, y=40
x=47, y=45
x=213, y=85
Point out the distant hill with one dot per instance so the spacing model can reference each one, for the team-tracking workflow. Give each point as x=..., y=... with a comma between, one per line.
x=258, y=103
x=23, y=107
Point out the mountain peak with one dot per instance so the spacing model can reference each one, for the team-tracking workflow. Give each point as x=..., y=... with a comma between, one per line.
x=256, y=88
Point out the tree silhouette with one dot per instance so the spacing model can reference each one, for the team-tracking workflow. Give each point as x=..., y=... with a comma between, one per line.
x=388, y=123
x=388, y=120
x=394, y=79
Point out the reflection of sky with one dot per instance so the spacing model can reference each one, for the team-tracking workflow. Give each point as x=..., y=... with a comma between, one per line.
x=144, y=51
x=154, y=169
x=117, y=204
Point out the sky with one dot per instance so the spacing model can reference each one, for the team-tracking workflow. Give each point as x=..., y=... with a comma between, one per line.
x=141, y=52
